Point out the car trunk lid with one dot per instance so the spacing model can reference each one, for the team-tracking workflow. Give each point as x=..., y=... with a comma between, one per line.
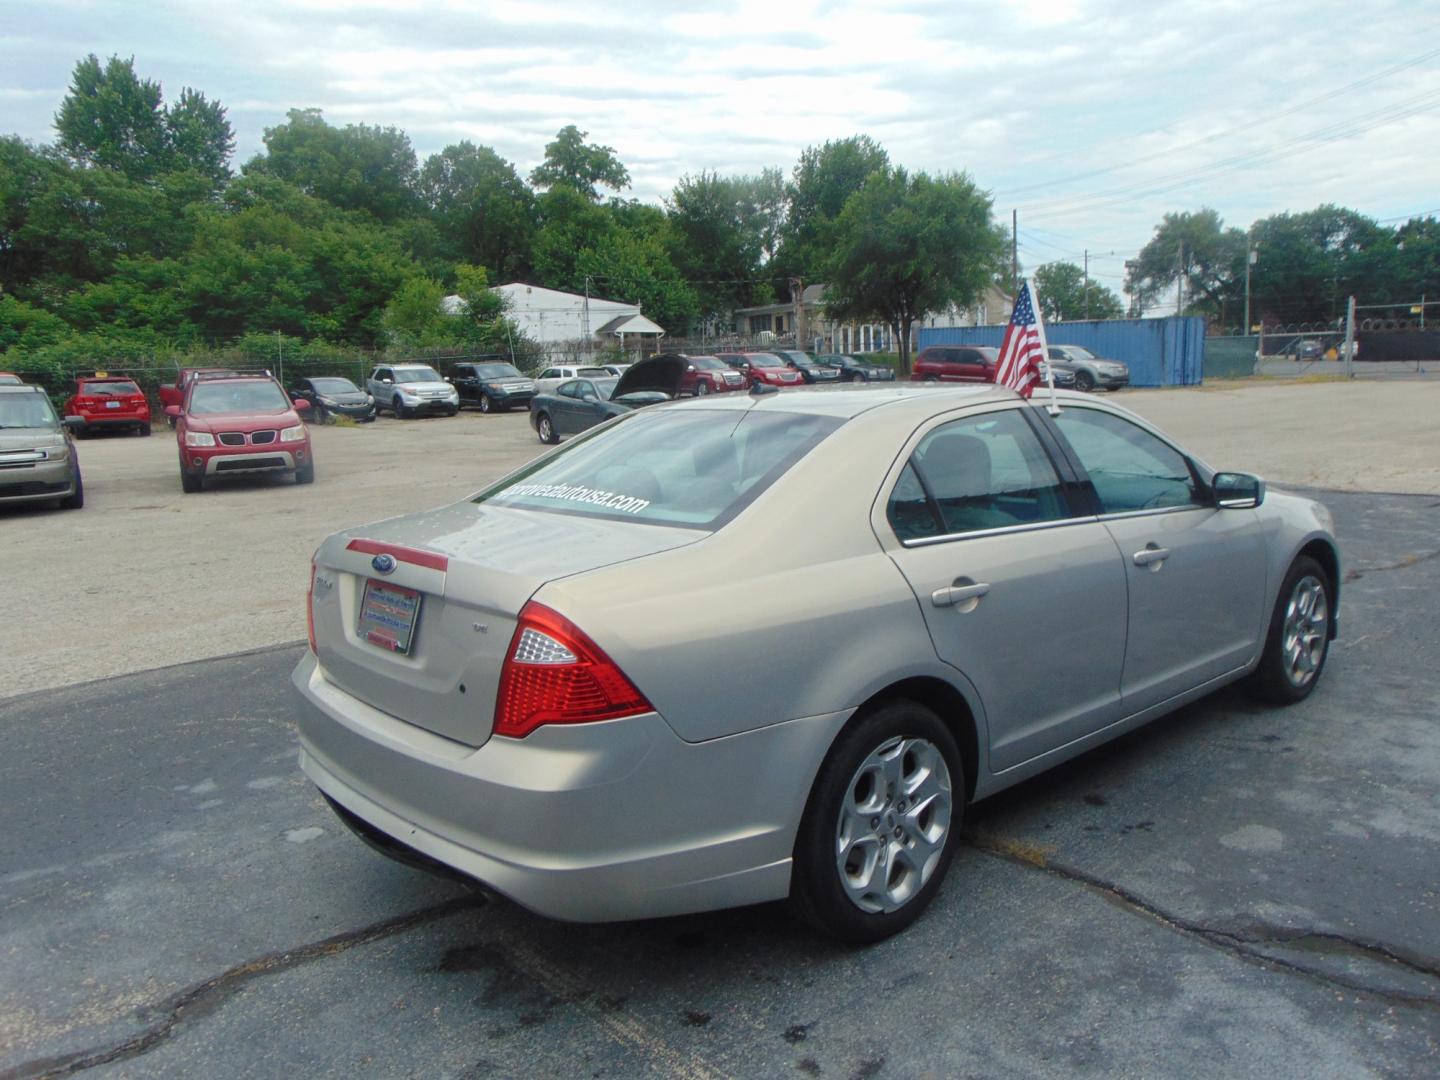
x=470, y=568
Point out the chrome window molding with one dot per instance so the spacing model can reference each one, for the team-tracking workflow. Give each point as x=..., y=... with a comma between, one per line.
x=1004, y=530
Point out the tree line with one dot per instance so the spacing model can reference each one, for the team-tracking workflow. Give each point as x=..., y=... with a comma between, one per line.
x=133, y=234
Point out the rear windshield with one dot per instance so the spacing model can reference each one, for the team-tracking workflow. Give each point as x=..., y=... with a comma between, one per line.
x=593, y=372
x=228, y=397
x=695, y=468
x=110, y=386
x=26, y=410
x=417, y=375
x=496, y=371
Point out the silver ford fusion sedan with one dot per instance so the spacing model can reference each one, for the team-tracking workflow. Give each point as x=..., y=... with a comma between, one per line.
x=745, y=648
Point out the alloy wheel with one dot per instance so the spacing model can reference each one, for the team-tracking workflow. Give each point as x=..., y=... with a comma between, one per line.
x=1305, y=629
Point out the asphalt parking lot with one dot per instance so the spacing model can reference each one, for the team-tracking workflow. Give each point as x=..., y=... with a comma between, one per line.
x=1234, y=890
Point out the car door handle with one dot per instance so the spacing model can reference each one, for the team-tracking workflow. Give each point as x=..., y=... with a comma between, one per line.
x=1151, y=555
x=958, y=594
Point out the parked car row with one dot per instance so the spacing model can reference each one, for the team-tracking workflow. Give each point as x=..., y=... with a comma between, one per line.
x=1073, y=367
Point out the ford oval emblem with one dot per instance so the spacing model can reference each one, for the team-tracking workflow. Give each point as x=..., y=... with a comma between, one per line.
x=384, y=563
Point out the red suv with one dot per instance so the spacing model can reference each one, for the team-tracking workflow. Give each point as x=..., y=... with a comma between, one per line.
x=763, y=368
x=239, y=424
x=956, y=363
x=107, y=402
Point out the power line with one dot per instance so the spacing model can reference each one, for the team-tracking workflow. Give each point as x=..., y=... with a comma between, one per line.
x=1226, y=133
x=1306, y=141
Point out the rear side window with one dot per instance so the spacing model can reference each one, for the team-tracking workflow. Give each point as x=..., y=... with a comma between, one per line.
x=695, y=468
x=982, y=472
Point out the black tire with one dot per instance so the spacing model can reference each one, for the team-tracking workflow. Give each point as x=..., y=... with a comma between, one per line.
x=453, y=410
x=398, y=408
x=1084, y=381
x=545, y=429
x=701, y=389
x=76, y=499
x=144, y=428
x=190, y=482
x=305, y=474
x=485, y=404
x=817, y=894
x=1292, y=663
x=170, y=422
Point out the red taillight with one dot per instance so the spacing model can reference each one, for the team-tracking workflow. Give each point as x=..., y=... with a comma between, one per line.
x=554, y=674
x=310, y=610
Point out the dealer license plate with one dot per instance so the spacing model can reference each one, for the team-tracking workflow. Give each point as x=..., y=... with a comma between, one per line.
x=112, y=404
x=388, y=614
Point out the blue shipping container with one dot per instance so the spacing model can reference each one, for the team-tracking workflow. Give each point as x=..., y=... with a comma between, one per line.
x=1160, y=352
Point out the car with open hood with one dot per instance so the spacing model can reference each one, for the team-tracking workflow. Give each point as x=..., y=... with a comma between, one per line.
x=240, y=425
x=748, y=647
x=680, y=375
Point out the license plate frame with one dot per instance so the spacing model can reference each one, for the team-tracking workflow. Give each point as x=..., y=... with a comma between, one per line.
x=389, y=622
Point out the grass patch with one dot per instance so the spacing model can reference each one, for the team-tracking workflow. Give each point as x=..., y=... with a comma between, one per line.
x=344, y=421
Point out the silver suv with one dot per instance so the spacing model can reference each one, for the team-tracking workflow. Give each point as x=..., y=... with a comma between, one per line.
x=37, y=454
x=1091, y=372
x=411, y=389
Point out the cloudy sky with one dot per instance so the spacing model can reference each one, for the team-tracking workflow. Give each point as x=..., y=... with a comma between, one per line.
x=1090, y=118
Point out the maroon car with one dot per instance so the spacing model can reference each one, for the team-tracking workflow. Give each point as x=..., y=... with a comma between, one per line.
x=763, y=368
x=240, y=424
x=696, y=375
x=956, y=363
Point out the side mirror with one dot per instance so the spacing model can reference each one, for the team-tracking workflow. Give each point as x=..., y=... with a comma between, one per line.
x=74, y=423
x=387, y=382
x=1238, y=491
x=448, y=379
x=689, y=367
x=301, y=405
x=172, y=410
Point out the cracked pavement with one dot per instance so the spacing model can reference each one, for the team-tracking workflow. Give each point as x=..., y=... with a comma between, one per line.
x=1233, y=889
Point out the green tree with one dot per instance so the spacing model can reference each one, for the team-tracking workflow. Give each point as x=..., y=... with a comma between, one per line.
x=485, y=213
x=630, y=266
x=906, y=244
x=823, y=181
x=1197, y=245
x=571, y=161
x=719, y=236
x=1063, y=295
x=357, y=167
x=24, y=327
x=569, y=223
x=113, y=119
x=1308, y=263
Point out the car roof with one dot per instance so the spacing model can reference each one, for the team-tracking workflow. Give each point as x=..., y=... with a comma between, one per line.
x=851, y=400
x=20, y=388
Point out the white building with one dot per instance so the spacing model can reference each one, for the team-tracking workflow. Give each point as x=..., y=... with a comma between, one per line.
x=567, y=323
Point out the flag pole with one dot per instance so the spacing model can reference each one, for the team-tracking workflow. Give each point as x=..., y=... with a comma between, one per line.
x=1054, y=407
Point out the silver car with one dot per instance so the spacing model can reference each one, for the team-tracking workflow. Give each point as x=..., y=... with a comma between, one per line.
x=408, y=390
x=750, y=647
x=38, y=461
x=1090, y=371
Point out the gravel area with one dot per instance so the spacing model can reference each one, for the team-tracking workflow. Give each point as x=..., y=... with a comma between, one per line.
x=144, y=576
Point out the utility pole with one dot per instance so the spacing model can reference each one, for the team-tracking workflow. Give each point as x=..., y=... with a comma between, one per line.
x=1014, y=254
x=1180, y=280
x=1087, y=284
x=585, y=322
x=1350, y=339
x=797, y=291
x=1250, y=255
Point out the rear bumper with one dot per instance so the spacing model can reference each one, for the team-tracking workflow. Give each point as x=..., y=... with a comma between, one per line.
x=588, y=823
x=107, y=421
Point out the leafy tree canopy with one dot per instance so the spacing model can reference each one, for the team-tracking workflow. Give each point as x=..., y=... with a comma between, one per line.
x=571, y=161
x=113, y=119
x=357, y=167
x=1063, y=295
x=485, y=213
x=906, y=244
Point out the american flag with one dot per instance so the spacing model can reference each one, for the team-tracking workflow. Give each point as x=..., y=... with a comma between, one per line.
x=1024, y=345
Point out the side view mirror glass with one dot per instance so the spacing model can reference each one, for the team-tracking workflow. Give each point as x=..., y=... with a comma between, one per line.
x=387, y=382
x=301, y=404
x=1238, y=491
x=172, y=410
